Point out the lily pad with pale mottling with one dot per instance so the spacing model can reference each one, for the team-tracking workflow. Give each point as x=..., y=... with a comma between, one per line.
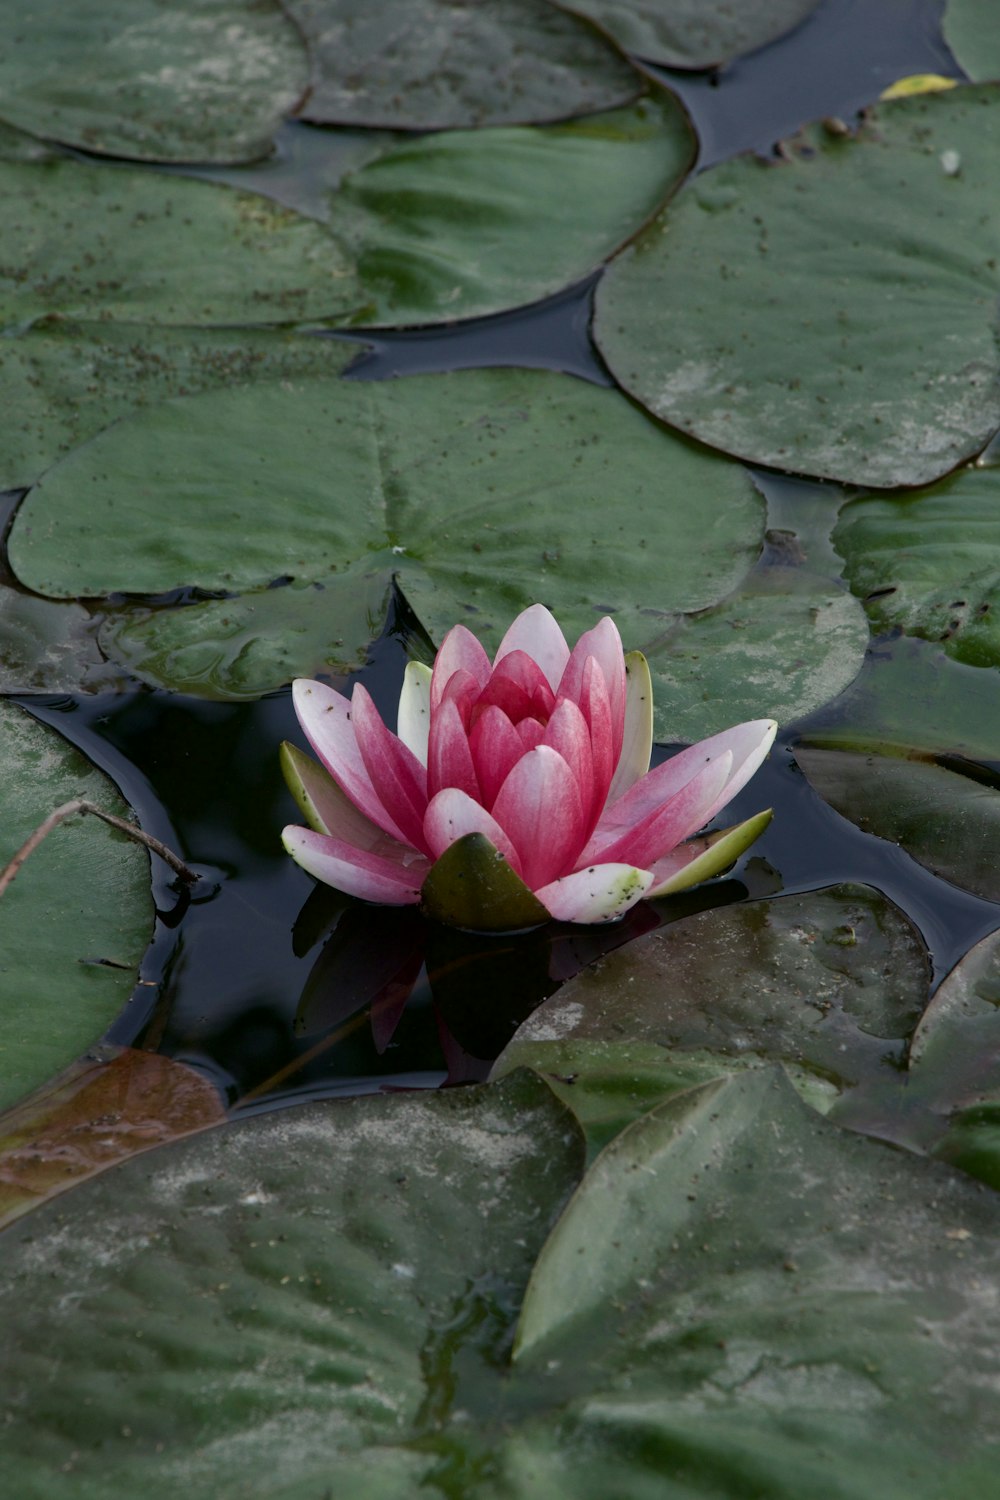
x=434, y=65
x=190, y=80
x=785, y=643
x=832, y=313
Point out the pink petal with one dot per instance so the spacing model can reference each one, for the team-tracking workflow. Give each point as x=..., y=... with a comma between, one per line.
x=397, y=776
x=530, y=733
x=660, y=830
x=357, y=872
x=568, y=732
x=463, y=690
x=496, y=746
x=325, y=716
x=536, y=633
x=451, y=815
x=519, y=668
x=600, y=893
x=539, y=805
x=747, y=743
x=449, y=758
x=503, y=693
x=604, y=644
x=596, y=707
x=460, y=651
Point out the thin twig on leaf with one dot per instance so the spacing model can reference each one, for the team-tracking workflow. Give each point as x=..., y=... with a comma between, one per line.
x=81, y=805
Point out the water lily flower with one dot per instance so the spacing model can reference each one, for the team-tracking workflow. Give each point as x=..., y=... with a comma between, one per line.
x=514, y=790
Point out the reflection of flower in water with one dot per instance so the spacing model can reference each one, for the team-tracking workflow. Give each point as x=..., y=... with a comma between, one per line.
x=481, y=987
x=515, y=790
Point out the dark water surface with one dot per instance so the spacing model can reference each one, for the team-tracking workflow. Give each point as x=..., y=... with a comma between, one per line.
x=263, y=981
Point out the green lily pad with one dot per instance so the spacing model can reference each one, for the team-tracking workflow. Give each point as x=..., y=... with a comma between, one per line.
x=86, y=242
x=75, y=923
x=609, y=1083
x=948, y=821
x=466, y=223
x=435, y=479
x=61, y=382
x=960, y=1030
x=692, y=33
x=427, y=65
x=833, y=313
x=969, y=28
x=909, y=695
x=280, y=1305
x=743, y=1299
x=785, y=643
x=830, y=983
x=930, y=564
x=194, y=80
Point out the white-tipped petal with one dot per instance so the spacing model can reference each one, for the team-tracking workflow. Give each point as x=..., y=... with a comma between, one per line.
x=356, y=872
x=452, y=813
x=637, y=745
x=326, y=719
x=536, y=632
x=600, y=893
x=413, y=718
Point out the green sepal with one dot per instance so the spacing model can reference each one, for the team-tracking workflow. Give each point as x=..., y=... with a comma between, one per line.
x=719, y=851
x=308, y=782
x=472, y=886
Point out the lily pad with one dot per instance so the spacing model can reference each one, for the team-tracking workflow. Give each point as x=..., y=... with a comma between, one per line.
x=956, y=1048
x=75, y=923
x=61, y=382
x=830, y=983
x=785, y=643
x=969, y=28
x=692, y=33
x=85, y=242
x=466, y=223
x=930, y=564
x=435, y=479
x=307, y=1289
x=429, y=65
x=948, y=821
x=909, y=694
x=715, y=1314
x=750, y=317
x=193, y=80
x=608, y=1083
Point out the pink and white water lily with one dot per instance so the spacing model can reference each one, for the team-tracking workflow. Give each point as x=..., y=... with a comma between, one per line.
x=517, y=789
